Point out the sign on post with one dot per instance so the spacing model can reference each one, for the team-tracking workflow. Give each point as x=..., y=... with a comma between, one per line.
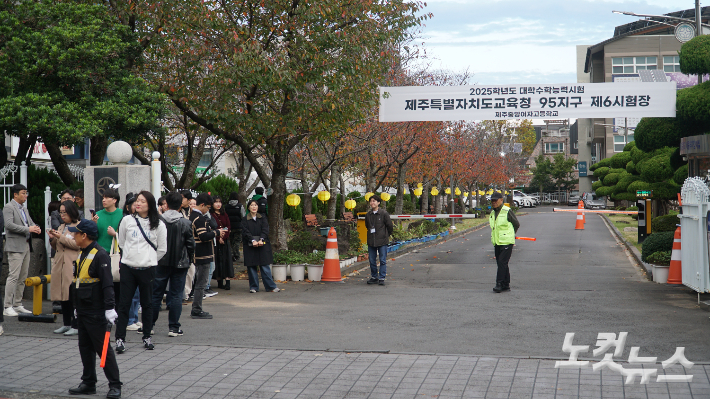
x=572, y=100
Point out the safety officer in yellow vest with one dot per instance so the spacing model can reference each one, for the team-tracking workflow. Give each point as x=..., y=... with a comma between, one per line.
x=504, y=225
x=94, y=300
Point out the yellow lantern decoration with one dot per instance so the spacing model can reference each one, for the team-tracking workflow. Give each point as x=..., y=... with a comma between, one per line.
x=447, y=191
x=385, y=197
x=418, y=191
x=506, y=192
x=368, y=195
x=457, y=191
x=293, y=200
x=489, y=192
x=465, y=194
x=434, y=191
x=350, y=204
x=420, y=185
x=324, y=196
x=405, y=191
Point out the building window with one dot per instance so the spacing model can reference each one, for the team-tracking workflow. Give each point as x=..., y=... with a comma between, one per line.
x=671, y=63
x=554, y=148
x=206, y=157
x=619, y=142
x=633, y=64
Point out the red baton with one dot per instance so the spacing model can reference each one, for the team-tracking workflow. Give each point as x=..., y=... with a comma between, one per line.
x=107, y=339
x=526, y=238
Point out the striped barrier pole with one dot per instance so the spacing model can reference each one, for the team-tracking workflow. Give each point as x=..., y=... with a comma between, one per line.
x=594, y=211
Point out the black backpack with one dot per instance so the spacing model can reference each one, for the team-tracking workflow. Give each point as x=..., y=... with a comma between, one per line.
x=262, y=205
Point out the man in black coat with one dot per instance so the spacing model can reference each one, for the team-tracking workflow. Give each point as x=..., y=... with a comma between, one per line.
x=379, y=229
x=204, y=252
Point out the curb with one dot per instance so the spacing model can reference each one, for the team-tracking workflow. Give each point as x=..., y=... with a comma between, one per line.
x=345, y=272
x=647, y=268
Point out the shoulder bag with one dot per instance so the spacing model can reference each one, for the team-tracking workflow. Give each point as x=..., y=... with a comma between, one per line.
x=145, y=236
x=115, y=261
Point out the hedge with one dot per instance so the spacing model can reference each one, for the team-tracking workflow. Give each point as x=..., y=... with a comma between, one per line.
x=695, y=56
x=664, y=223
x=661, y=241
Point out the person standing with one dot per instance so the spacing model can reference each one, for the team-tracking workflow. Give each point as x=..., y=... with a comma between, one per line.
x=92, y=290
x=504, y=225
x=235, y=210
x=379, y=229
x=172, y=268
x=56, y=219
x=63, y=265
x=257, y=249
x=79, y=199
x=142, y=239
x=204, y=252
x=18, y=229
x=224, y=268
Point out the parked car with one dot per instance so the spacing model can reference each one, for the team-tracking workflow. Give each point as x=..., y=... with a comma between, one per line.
x=524, y=199
x=592, y=201
x=573, y=198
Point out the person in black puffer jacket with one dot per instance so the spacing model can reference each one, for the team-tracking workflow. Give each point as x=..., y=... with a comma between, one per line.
x=235, y=211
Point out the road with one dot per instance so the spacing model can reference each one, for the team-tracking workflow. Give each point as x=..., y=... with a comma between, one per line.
x=439, y=300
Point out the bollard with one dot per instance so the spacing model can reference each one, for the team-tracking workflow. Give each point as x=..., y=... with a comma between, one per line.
x=37, y=316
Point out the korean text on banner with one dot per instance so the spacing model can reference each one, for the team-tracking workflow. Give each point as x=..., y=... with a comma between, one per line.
x=574, y=100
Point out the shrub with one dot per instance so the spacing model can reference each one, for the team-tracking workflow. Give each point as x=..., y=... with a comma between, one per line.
x=680, y=175
x=306, y=241
x=660, y=258
x=37, y=180
x=611, y=179
x=661, y=241
x=631, y=167
x=596, y=185
x=652, y=133
x=620, y=160
x=664, y=223
x=222, y=185
x=601, y=171
x=694, y=56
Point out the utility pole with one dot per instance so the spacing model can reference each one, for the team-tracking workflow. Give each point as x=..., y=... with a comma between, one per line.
x=699, y=28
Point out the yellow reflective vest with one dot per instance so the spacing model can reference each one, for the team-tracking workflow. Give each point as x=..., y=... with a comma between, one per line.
x=502, y=231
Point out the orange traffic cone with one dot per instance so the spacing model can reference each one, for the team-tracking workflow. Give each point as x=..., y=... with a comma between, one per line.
x=580, y=220
x=675, y=272
x=331, y=265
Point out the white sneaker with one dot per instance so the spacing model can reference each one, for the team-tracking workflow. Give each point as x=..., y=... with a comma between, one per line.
x=9, y=312
x=62, y=330
x=276, y=290
x=133, y=327
x=21, y=309
x=71, y=331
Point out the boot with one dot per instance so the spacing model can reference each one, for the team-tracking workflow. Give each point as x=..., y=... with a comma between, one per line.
x=219, y=284
x=226, y=285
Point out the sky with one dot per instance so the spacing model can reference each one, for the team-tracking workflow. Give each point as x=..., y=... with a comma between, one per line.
x=525, y=41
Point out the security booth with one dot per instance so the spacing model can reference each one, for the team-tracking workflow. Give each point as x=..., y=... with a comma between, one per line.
x=644, y=213
x=696, y=150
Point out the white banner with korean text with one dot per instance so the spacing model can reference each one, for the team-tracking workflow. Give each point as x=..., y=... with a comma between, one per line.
x=560, y=101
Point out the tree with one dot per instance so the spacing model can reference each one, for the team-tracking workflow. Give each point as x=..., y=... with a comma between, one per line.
x=563, y=172
x=273, y=74
x=542, y=174
x=63, y=78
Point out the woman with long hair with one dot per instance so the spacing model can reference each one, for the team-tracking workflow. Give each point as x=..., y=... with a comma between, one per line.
x=224, y=268
x=235, y=210
x=63, y=265
x=257, y=248
x=142, y=238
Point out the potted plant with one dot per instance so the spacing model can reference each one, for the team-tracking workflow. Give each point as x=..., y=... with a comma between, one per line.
x=315, y=265
x=281, y=262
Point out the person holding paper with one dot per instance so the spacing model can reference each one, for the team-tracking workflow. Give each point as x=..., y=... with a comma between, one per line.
x=257, y=248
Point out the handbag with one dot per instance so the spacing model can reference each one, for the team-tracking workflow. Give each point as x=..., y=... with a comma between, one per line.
x=115, y=261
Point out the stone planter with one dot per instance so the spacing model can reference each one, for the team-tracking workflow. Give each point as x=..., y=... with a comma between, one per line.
x=278, y=272
x=298, y=272
x=315, y=272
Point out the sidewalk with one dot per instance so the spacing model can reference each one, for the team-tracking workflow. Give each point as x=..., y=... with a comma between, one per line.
x=48, y=367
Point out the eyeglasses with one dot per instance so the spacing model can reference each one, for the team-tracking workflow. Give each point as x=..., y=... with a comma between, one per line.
x=62, y=213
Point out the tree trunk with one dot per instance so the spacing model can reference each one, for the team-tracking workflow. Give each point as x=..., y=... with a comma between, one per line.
x=307, y=197
x=399, y=202
x=25, y=147
x=425, y=199
x=60, y=164
x=277, y=226
x=343, y=197
x=333, y=201
x=97, y=150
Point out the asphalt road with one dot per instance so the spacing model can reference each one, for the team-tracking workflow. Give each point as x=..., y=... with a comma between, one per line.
x=440, y=300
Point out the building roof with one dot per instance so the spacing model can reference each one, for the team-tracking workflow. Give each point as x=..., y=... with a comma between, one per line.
x=643, y=26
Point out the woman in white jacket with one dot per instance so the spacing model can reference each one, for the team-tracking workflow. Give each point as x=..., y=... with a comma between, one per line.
x=143, y=241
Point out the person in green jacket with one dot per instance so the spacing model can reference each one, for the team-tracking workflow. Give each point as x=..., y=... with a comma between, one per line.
x=107, y=219
x=504, y=225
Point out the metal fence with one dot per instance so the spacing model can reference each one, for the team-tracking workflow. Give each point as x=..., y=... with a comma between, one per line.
x=8, y=179
x=694, y=234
